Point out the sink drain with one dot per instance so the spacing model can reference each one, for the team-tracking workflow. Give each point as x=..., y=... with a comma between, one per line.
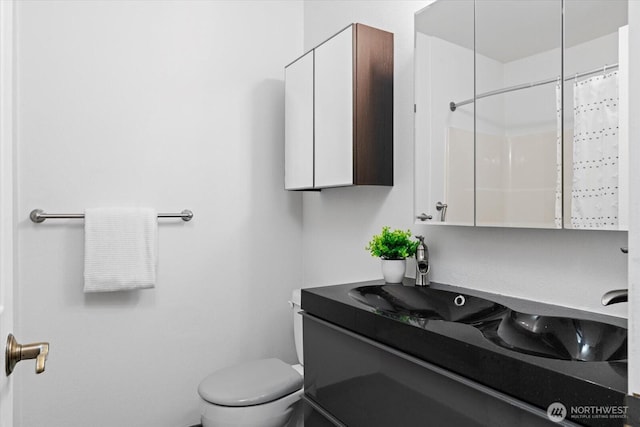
x=459, y=300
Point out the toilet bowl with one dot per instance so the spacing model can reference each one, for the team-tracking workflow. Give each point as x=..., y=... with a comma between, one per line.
x=258, y=393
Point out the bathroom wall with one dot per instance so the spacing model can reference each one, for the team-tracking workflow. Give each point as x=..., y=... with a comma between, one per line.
x=338, y=223
x=172, y=105
x=565, y=267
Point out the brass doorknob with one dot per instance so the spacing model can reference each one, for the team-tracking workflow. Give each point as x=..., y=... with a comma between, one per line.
x=15, y=352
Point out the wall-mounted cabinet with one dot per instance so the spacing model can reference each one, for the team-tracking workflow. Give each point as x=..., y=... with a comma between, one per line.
x=339, y=112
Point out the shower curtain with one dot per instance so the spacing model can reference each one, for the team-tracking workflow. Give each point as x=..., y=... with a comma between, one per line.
x=594, y=195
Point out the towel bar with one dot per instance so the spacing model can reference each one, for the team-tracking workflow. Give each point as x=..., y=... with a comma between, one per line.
x=38, y=215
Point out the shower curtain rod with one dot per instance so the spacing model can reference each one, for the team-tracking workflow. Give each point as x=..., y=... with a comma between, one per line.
x=454, y=105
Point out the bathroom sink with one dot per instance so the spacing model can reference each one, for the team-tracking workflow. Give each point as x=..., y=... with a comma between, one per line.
x=427, y=303
x=558, y=337
x=553, y=337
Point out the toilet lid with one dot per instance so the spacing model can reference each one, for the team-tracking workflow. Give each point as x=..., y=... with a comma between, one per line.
x=250, y=383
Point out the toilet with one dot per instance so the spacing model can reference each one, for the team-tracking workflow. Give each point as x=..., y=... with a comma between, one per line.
x=260, y=393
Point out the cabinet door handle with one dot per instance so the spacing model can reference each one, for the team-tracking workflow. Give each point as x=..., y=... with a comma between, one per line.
x=442, y=208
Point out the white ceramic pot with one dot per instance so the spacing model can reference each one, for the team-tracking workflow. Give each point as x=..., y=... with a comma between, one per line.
x=393, y=270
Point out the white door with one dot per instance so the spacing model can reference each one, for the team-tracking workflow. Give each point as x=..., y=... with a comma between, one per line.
x=334, y=111
x=6, y=203
x=14, y=351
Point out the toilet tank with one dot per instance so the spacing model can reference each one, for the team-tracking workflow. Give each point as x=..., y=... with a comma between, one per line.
x=296, y=301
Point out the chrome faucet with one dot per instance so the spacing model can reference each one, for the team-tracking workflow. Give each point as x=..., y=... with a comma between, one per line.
x=615, y=296
x=422, y=263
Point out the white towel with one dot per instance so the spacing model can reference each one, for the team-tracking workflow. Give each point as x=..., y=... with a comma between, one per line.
x=120, y=249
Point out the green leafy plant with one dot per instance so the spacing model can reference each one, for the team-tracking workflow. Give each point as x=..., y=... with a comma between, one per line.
x=395, y=244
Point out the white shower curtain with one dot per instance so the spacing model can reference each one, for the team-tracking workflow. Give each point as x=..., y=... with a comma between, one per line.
x=594, y=195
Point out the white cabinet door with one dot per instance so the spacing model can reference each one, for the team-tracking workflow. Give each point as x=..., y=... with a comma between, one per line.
x=298, y=105
x=334, y=111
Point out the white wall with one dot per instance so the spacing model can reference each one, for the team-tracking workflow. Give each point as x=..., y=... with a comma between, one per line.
x=572, y=268
x=172, y=105
x=338, y=223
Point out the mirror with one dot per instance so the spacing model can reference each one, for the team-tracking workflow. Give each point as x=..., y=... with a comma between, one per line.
x=497, y=139
x=596, y=194
x=518, y=114
x=444, y=139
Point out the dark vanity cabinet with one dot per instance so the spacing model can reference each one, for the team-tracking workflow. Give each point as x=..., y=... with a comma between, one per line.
x=365, y=368
x=360, y=382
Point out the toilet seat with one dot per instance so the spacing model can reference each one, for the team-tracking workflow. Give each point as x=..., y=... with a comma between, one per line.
x=271, y=414
x=251, y=383
x=261, y=393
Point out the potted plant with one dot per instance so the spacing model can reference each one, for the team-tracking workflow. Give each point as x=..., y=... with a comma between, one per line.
x=393, y=248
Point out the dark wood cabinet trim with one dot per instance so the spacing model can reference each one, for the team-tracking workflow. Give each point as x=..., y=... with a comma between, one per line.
x=372, y=106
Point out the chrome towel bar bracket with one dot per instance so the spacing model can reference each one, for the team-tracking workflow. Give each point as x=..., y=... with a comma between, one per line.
x=38, y=215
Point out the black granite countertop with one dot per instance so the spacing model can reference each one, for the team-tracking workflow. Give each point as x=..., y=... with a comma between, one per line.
x=463, y=349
